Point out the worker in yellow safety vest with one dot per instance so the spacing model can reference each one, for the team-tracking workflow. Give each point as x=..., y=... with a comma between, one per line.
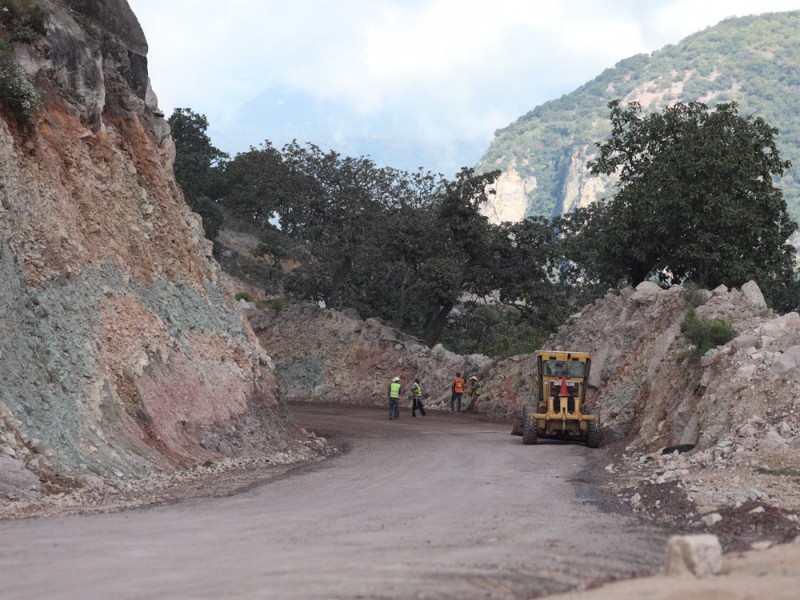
x=475, y=391
x=394, y=398
x=416, y=399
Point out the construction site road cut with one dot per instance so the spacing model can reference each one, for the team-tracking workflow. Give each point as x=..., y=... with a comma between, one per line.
x=445, y=506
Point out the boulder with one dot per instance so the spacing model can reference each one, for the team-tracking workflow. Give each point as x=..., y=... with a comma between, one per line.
x=753, y=295
x=16, y=480
x=784, y=364
x=745, y=341
x=746, y=371
x=646, y=292
x=698, y=555
x=712, y=519
x=773, y=440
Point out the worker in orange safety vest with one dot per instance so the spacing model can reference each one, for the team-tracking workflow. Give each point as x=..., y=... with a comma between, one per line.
x=457, y=393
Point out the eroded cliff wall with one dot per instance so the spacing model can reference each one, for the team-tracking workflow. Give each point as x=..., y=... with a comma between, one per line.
x=120, y=352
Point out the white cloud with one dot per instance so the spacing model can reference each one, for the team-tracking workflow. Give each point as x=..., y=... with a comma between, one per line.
x=446, y=67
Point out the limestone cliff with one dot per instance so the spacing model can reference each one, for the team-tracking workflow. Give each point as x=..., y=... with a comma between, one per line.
x=509, y=202
x=120, y=352
x=513, y=190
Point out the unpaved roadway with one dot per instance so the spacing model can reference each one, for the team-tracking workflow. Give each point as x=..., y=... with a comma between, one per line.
x=441, y=507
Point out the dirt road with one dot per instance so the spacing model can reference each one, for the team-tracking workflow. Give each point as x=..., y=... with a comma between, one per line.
x=440, y=507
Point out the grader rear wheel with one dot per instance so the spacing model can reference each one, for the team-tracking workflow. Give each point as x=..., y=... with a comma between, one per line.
x=528, y=427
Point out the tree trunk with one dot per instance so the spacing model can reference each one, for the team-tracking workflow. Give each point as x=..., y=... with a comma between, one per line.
x=336, y=284
x=405, y=290
x=434, y=328
x=638, y=272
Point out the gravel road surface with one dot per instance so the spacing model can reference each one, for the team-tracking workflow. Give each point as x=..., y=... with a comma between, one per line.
x=444, y=506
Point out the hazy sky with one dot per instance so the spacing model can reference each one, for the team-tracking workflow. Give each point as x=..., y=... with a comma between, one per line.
x=444, y=67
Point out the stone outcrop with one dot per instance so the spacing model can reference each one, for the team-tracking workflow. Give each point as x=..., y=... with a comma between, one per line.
x=648, y=390
x=120, y=351
x=509, y=202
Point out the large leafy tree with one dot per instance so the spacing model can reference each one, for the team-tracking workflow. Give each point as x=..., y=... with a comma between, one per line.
x=466, y=257
x=198, y=166
x=695, y=199
x=406, y=247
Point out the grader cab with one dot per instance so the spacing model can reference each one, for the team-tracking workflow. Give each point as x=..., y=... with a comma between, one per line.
x=558, y=409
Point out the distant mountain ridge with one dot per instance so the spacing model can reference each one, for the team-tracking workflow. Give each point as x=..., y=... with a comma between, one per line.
x=754, y=61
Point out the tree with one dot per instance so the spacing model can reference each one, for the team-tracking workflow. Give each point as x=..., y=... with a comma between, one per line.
x=405, y=247
x=257, y=182
x=695, y=199
x=468, y=242
x=198, y=166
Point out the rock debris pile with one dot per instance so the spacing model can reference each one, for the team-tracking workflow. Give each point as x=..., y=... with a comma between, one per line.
x=705, y=440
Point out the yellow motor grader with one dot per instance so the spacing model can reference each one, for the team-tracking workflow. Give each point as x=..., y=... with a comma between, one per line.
x=558, y=409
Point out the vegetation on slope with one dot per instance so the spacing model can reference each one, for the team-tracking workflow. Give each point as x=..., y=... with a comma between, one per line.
x=751, y=60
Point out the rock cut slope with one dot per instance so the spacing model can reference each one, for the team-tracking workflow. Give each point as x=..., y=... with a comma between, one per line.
x=120, y=351
x=324, y=355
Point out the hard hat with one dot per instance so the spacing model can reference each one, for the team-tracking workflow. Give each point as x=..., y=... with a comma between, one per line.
x=473, y=378
x=396, y=379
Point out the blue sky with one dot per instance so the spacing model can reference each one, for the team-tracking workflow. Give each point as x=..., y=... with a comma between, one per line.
x=441, y=74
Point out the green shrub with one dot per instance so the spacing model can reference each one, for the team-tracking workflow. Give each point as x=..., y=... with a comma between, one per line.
x=705, y=335
x=246, y=296
x=694, y=297
x=277, y=304
x=19, y=94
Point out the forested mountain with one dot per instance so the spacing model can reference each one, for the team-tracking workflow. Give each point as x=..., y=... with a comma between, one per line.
x=754, y=61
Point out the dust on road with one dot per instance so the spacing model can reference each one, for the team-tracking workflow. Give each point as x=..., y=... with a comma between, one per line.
x=434, y=507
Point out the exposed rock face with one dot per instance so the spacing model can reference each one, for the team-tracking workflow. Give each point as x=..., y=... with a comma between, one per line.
x=119, y=350
x=325, y=355
x=510, y=199
x=578, y=189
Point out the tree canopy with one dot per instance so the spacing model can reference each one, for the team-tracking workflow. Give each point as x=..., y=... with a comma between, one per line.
x=407, y=247
x=695, y=198
x=198, y=166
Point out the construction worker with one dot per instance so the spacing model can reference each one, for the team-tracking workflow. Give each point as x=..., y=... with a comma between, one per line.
x=475, y=390
x=394, y=398
x=416, y=398
x=457, y=392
